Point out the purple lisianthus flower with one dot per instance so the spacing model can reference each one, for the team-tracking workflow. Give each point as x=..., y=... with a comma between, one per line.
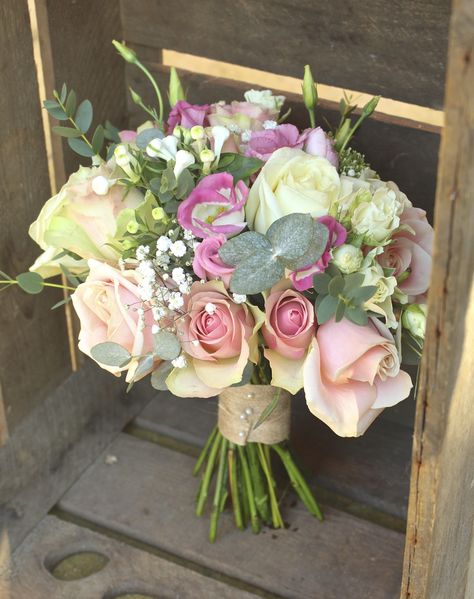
x=318, y=143
x=302, y=279
x=262, y=144
x=207, y=264
x=187, y=115
x=215, y=207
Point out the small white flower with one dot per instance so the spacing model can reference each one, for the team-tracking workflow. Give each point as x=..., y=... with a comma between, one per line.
x=158, y=312
x=165, y=277
x=142, y=252
x=183, y=160
x=155, y=329
x=178, y=275
x=122, y=156
x=246, y=135
x=163, y=243
x=100, y=185
x=239, y=298
x=265, y=98
x=176, y=301
x=220, y=135
x=188, y=235
x=180, y=361
x=210, y=308
x=163, y=148
x=184, y=288
x=233, y=128
x=178, y=249
x=195, y=342
x=270, y=124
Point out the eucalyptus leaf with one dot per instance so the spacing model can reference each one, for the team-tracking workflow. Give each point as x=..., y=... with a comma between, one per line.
x=80, y=147
x=159, y=376
x=246, y=375
x=61, y=303
x=98, y=139
x=352, y=283
x=268, y=411
x=364, y=293
x=111, y=354
x=63, y=95
x=239, y=248
x=69, y=276
x=357, y=315
x=321, y=283
x=66, y=131
x=55, y=110
x=241, y=167
x=166, y=345
x=341, y=307
x=144, y=137
x=256, y=273
x=336, y=286
x=111, y=133
x=31, y=282
x=84, y=114
x=315, y=250
x=291, y=235
x=326, y=309
x=71, y=103
x=185, y=185
x=144, y=366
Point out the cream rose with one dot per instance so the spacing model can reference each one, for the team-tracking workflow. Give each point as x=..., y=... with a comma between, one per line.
x=291, y=181
x=81, y=221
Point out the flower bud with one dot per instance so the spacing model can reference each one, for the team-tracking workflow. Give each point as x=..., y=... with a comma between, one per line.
x=178, y=132
x=126, y=53
x=370, y=106
x=197, y=132
x=122, y=156
x=135, y=97
x=158, y=213
x=127, y=244
x=207, y=155
x=348, y=258
x=414, y=320
x=176, y=91
x=220, y=135
x=100, y=185
x=132, y=227
x=183, y=160
x=310, y=93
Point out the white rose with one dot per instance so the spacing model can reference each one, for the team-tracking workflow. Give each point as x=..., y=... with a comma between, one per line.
x=377, y=218
x=347, y=258
x=381, y=301
x=291, y=181
x=265, y=98
x=414, y=320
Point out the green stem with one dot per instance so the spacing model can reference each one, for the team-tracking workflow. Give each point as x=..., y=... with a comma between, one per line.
x=276, y=516
x=73, y=123
x=298, y=482
x=155, y=87
x=261, y=496
x=55, y=285
x=204, y=451
x=234, y=488
x=204, y=488
x=312, y=118
x=254, y=521
x=220, y=483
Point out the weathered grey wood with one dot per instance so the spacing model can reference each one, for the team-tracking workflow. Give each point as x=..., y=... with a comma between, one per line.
x=149, y=492
x=405, y=155
x=439, y=551
x=373, y=469
x=398, y=52
x=129, y=570
x=58, y=440
x=33, y=343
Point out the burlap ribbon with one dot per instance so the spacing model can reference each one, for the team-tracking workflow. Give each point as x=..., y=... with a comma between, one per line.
x=241, y=407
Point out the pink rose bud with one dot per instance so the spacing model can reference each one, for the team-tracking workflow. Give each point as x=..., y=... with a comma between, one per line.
x=318, y=143
x=207, y=264
x=262, y=144
x=187, y=115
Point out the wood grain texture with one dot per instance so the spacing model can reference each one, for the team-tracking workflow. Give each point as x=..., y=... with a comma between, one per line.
x=398, y=52
x=404, y=155
x=439, y=551
x=58, y=440
x=33, y=342
x=148, y=494
x=129, y=570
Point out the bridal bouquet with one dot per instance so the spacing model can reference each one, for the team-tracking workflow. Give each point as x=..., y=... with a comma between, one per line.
x=224, y=252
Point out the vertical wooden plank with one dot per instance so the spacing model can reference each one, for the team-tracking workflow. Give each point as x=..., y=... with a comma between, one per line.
x=439, y=550
x=33, y=342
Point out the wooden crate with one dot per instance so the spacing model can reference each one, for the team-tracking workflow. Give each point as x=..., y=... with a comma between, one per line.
x=222, y=48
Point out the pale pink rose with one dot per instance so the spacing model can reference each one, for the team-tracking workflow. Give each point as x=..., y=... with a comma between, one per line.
x=262, y=144
x=219, y=337
x=302, y=278
x=351, y=374
x=187, y=115
x=207, y=264
x=214, y=207
x=318, y=143
x=128, y=136
x=106, y=306
x=411, y=253
x=288, y=331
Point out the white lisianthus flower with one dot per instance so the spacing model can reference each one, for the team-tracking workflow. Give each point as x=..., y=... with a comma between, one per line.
x=348, y=258
x=414, y=320
x=381, y=301
x=378, y=218
x=291, y=181
x=265, y=98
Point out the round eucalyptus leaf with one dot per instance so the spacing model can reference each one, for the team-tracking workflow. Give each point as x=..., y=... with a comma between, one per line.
x=159, y=376
x=31, y=282
x=326, y=309
x=166, y=345
x=256, y=273
x=111, y=354
x=144, y=138
x=236, y=250
x=336, y=286
x=315, y=249
x=291, y=235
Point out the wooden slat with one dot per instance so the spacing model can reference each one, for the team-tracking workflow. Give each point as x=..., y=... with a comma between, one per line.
x=404, y=155
x=58, y=440
x=398, y=53
x=33, y=344
x=440, y=541
x=129, y=570
x=148, y=494
x=372, y=470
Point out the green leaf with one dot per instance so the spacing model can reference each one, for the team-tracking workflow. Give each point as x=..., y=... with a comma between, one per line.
x=166, y=345
x=5, y=276
x=185, y=185
x=341, y=307
x=326, y=309
x=246, y=375
x=168, y=180
x=111, y=133
x=268, y=411
x=239, y=248
x=357, y=315
x=80, y=147
x=159, y=376
x=31, y=282
x=364, y=293
x=226, y=160
x=144, y=138
x=66, y=131
x=61, y=303
x=84, y=114
x=336, y=286
x=98, y=139
x=111, y=354
x=321, y=283
x=69, y=276
x=291, y=235
x=71, y=103
x=144, y=366
x=241, y=166
x=315, y=250
x=63, y=95
x=55, y=110
x=352, y=283
x=256, y=273
x=110, y=151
